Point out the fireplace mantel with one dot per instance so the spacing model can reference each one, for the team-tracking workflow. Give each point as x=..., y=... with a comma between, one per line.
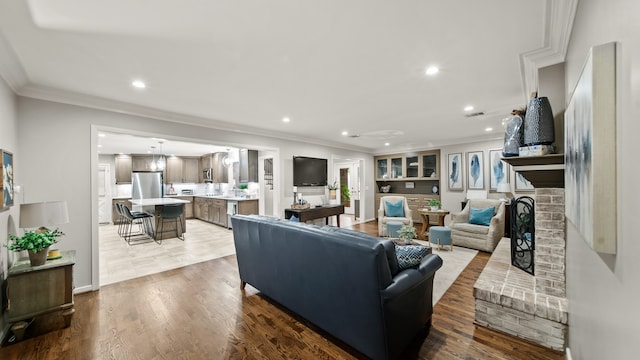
x=545, y=171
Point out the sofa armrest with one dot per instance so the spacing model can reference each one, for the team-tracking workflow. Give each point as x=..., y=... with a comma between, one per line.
x=380, y=212
x=461, y=217
x=407, y=279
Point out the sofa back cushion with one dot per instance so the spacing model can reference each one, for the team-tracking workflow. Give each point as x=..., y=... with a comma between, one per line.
x=394, y=209
x=481, y=216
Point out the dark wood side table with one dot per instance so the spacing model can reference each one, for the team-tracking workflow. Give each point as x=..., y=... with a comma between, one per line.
x=317, y=212
x=38, y=290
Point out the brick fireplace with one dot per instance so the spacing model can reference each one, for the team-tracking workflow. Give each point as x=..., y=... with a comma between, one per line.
x=530, y=307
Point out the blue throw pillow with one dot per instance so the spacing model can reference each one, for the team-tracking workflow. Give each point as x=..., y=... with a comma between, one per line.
x=294, y=218
x=481, y=216
x=394, y=209
x=410, y=256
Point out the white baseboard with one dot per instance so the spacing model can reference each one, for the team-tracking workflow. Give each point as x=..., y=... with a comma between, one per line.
x=82, y=289
x=568, y=352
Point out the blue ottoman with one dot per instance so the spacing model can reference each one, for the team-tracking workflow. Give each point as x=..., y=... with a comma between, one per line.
x=392, y=228
x=440, y=235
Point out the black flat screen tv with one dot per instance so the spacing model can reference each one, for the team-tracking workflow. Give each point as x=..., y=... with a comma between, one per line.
x=309, y=171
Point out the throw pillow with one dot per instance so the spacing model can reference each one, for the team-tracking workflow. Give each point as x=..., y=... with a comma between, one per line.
x=294, y=218
x=481, y=216
x=394, y=209
x=410, y=256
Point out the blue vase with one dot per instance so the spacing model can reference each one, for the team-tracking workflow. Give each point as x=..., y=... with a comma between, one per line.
x=538, y=123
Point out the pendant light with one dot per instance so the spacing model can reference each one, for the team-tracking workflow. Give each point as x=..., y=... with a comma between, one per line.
x=153, y=159
x=162, y=162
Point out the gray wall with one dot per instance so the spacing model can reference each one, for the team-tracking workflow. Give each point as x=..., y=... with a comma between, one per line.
x=60, y=166
x=603, y=290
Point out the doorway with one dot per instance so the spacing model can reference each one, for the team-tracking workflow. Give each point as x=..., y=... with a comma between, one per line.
x=348, y=173
x=104, y=193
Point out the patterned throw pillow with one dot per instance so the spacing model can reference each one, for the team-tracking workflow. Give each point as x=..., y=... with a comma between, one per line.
x=394, y=209
x=410, y=256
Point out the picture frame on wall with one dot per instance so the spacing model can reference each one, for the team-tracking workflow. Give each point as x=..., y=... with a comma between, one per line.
x=454, y=172
x=475, y=170
x=522, y=184
x=498, y=170
x=590, y=176
x=6, y=167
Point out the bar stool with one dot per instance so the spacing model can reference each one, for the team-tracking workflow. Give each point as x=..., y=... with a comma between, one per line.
x=170, y=212
x=143, y=221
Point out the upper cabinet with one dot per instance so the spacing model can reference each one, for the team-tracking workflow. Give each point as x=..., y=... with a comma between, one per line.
x=175, y=170
x=248, y=166
x=191, y=168
x=215, y=162
x=421, y=165
x=123, y=169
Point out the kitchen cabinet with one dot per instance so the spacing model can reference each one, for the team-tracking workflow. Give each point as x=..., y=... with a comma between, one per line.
x=201, y=208
x=248, y=171
x=191, y=168
x=423, y=165
x=389, y=167
x=123, y=169
x=247, y=207
x=115, y=217
x=218, y=212
x=188, y=207
x=34, y=291
x=141, y=162
x=219, y=173
x=175, y=170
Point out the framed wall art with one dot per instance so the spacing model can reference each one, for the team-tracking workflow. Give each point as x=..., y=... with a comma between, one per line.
x=6, y=199
x=590, y=151
x=475, y=170
x=522, y=184
x=454, y=172
x=498, y=170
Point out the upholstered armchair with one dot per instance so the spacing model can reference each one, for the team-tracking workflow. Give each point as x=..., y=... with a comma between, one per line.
x=393, y=208
x=467, y=229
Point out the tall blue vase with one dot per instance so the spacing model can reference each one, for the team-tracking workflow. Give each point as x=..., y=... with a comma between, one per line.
x=538, y=122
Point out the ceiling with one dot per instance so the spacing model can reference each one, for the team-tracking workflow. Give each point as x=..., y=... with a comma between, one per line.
x=330, y=66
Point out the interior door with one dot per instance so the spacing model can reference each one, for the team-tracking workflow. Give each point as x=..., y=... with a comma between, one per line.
x=104, y=193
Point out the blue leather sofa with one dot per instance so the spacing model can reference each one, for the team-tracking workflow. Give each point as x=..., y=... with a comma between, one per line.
x=345, y=282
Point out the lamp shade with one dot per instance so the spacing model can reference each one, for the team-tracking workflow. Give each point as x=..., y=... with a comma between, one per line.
x=503, y=188
x=45, y=214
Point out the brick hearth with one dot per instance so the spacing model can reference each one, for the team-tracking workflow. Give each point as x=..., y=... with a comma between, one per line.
x=530, y=307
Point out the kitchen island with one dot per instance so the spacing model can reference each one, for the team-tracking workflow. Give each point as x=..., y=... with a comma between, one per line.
x=169, y=228
x=217, y=209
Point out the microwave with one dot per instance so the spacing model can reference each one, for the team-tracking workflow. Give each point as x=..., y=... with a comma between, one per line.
x=207, y=175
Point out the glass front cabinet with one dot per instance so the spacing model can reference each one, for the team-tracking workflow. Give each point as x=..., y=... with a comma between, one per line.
x=422, y=165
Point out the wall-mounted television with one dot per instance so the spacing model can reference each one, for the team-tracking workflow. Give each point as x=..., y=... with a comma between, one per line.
x=308, y=171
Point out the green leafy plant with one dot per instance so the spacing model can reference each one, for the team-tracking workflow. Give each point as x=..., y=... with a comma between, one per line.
x=345, y=194
x=407, y=232
x=434, y=202
x=34, y=240
x=333, y=186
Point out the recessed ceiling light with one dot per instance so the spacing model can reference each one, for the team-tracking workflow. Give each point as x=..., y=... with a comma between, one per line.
x=102, y=134
x=432, y=70
x=286, y=119
x=468, y=108
x=488, y=129
x=387, y=144
x=345, y=133
x=139, y=84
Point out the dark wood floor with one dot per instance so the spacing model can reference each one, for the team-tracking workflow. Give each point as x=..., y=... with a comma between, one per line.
x=199, y=312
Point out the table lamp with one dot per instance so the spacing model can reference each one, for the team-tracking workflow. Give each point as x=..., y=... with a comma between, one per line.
x=505, y=188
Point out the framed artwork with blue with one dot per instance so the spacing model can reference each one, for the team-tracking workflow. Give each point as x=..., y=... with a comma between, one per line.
x=6, y=197
x=475, y=170
x=454, y=172
x=522, y=184
x=498, y=170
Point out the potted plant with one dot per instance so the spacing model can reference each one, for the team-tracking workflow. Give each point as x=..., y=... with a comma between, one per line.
x=332, y=190
x=434, y=204
x=36, y=242
x=406, y=233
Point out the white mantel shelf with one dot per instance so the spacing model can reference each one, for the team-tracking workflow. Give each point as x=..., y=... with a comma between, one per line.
x=545, y=171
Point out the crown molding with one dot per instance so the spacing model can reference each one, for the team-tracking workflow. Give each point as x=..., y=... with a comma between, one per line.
x=559, y=17
x=10, y=68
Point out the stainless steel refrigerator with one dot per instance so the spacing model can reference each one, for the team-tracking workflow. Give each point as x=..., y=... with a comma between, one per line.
x=147, y=185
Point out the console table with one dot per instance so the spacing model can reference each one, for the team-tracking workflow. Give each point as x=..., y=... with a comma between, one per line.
x=38, y=290
x=318, y=212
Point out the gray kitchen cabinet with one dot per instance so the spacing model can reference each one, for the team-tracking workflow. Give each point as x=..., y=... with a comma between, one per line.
x=201, y=208
x=191, y=168
x=220, y=171
x=141, y=162
x=248, y=166
x=189, y=208
x=175, y=170
x=123, y=169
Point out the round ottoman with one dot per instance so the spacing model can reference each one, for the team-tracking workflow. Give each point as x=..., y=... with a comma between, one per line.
x=392, y=228
x=440, y=235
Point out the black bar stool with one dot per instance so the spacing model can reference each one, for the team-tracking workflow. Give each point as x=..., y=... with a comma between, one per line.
x=141, y=218
x=171, y=212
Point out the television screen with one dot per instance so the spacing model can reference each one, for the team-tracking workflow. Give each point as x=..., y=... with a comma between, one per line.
x=309, y=171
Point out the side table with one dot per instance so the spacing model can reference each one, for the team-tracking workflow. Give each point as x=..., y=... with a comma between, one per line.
x=38, y=290
x=425, y=214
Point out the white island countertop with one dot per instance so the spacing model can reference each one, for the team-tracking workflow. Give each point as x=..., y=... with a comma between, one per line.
x=158, y=201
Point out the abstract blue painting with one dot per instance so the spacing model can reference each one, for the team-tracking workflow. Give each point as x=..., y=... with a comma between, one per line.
x=475, y=166
x=7, y=179
x=499, y=169
x=454, y=172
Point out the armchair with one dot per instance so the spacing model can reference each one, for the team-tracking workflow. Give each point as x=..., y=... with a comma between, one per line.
x=383, y=217
x=480, y=237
